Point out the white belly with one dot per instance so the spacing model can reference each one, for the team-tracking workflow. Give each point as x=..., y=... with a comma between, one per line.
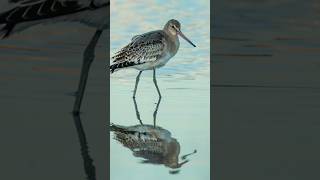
x=156, y=64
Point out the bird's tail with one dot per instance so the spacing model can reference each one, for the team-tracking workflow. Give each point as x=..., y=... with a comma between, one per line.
x=33, y=11
x=113, y=67
x=114, y=127
x=120, y=129
x=5, y=27
x=10, y=19
x=121, y=65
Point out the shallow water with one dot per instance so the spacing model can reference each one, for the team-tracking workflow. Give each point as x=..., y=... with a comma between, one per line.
x=184, y=83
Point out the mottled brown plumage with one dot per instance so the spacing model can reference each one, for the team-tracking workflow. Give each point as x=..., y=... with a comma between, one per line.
x=154, y=144
x=150, y=51
x=143, y=48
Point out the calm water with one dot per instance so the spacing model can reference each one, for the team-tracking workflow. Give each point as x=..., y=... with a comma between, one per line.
x=184, y=83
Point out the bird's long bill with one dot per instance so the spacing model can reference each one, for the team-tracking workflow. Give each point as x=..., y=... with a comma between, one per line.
x=185, y=38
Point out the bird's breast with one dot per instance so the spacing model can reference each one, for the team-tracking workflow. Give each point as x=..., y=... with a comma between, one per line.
x=173, y=46
x=162, y=60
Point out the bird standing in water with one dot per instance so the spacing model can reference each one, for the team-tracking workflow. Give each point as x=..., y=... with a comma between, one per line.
x=150, y=51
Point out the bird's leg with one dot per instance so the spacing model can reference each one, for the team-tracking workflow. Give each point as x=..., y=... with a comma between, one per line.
x=137, y=111
x=88, y=57
x=155, y=82
x=134, y=98
x=136, y=85
x=87, y=160
x=155, y=112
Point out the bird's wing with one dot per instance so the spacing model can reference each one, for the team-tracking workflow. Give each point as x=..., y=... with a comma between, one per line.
x=143, y=48
x=33, y=10
x=25, y=1
x=29, y=2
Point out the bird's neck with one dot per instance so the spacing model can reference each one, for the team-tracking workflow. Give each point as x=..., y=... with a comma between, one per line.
x=173, y=37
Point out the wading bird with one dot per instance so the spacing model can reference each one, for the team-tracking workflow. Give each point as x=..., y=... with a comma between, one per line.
x=150, y=51
x=22, y=14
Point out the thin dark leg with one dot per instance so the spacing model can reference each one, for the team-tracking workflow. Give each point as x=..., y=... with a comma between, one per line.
x=87, y=160
x=137, y=110
x=185, y=156
x=136, y=85
x=88, y=57
x=155, y=112
x=155, y=82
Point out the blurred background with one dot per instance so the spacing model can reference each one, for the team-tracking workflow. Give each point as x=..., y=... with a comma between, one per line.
x=39, y=70
x=265, y=89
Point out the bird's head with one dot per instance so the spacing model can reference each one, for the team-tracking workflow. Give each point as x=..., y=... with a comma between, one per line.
x=173, y=27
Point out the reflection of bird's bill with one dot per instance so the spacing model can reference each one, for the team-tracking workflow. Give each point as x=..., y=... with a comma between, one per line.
x=185, y=38
x=176, y=171
x=184, y=162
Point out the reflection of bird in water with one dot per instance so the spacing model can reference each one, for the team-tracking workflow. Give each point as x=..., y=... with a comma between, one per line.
x=154, y=144
x=150, y=142
x=150, y=51
x=23, y=14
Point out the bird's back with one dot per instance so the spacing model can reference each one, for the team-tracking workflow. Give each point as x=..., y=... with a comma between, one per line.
x=145, y=48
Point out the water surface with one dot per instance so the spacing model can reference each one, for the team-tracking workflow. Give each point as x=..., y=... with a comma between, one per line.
x=184, y=84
